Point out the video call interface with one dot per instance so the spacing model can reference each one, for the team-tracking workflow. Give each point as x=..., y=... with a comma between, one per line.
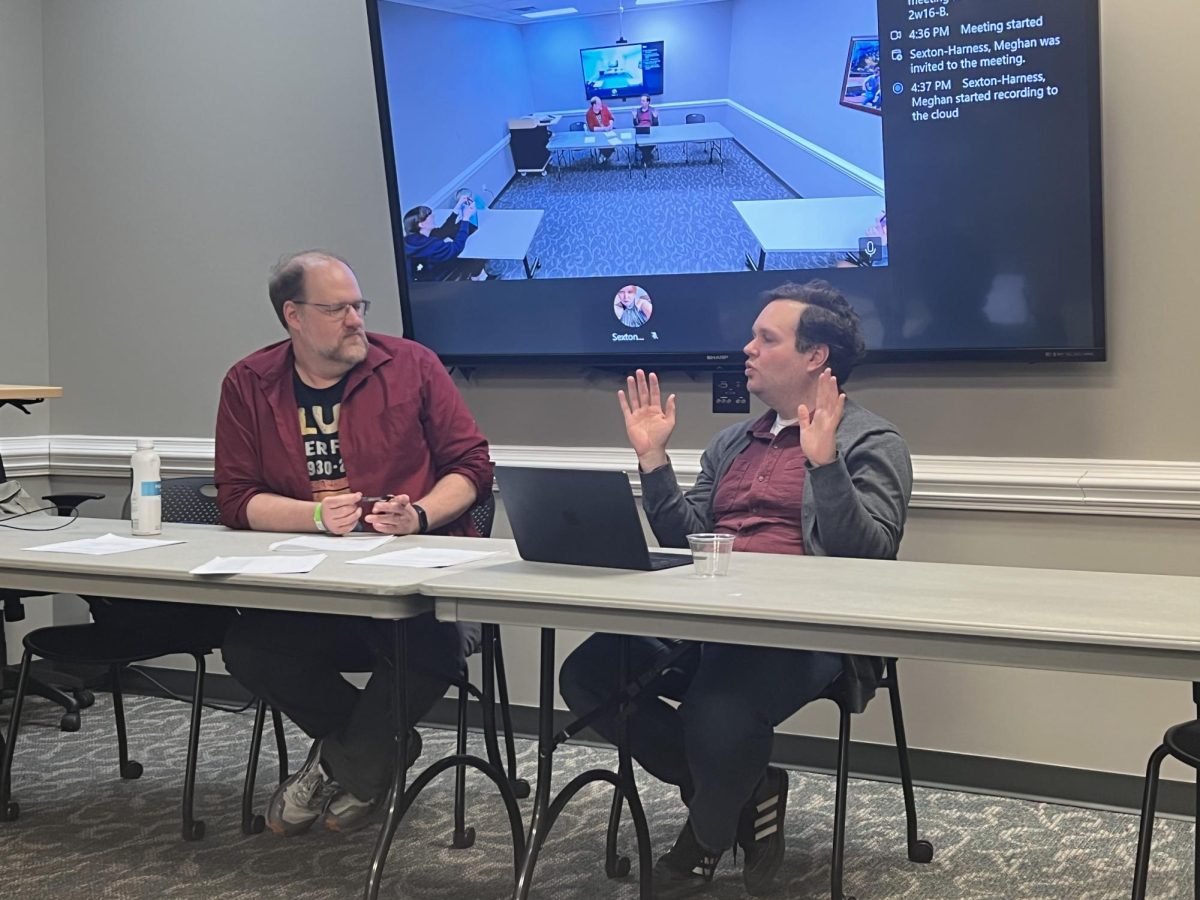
x=599, y=190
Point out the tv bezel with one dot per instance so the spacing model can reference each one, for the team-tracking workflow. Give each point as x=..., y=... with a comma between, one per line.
x=733, y=358
x=583, y=71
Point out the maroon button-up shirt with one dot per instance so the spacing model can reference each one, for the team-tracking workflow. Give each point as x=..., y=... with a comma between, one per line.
x=403, y=427
x=758, y=499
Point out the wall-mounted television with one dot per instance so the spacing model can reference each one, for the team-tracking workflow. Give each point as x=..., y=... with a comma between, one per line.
x=622, y=70
x=961, y=217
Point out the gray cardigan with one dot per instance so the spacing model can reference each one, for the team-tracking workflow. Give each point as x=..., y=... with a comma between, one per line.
x=854, y=506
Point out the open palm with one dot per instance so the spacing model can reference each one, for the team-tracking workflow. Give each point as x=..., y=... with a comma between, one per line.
x=648, y=421
x=818, y=426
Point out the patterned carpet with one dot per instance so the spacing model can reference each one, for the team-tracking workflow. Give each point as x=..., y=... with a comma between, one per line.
x=677, y=216
x=84, y=833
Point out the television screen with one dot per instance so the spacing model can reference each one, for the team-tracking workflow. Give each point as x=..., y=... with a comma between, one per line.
x=623, y=70
x=862, y=87
x=961, y=216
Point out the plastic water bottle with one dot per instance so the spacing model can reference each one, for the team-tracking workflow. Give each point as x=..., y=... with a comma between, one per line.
x=145, y=500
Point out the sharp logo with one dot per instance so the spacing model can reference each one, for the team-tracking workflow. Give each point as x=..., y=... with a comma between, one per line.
x=717, y=356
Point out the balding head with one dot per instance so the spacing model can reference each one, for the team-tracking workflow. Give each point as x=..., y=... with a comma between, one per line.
x=288, y=276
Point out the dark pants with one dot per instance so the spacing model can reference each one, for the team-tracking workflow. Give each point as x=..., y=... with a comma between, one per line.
x=177, y=627
x=295, y=662
x=717, y=744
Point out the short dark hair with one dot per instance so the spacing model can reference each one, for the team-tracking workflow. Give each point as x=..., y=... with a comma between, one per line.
x=414, y=217
x=828, y=319
x=287, y=277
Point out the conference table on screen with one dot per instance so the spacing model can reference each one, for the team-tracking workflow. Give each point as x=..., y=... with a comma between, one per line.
x=565, y=145
x=1089, y=622
x=388, y=594
x=809, y=225
x=502, y=234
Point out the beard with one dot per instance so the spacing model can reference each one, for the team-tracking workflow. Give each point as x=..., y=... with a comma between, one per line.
x=349, y=351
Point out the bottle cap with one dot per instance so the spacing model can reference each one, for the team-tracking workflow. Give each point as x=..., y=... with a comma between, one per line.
x=145, y=444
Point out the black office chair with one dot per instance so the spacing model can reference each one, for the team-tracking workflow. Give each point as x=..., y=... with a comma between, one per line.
x=1182, y=742
x=710, y=146
x=183, y=500
x=483, y=514
x=52, y=686
x=580, y=126
x=919, y=851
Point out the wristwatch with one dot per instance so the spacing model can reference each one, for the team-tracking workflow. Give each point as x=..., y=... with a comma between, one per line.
x=422, y=519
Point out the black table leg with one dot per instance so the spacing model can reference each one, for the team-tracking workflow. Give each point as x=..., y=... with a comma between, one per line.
x=545, y=811
x=400, y=767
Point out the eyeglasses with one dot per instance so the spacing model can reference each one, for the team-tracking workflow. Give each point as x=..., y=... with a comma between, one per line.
x=338, y=310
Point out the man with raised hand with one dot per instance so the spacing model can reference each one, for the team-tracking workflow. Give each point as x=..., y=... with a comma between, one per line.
x=816, y=474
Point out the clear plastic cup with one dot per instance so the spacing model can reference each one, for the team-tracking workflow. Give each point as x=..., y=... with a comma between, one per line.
x=711, y=553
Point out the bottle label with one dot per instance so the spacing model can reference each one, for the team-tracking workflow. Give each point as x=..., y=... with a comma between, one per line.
x=151, y=489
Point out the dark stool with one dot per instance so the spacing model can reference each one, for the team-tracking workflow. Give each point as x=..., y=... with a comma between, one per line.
x=1182, y=742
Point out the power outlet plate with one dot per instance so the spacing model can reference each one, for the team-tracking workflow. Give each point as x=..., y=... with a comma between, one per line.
x=729, y=393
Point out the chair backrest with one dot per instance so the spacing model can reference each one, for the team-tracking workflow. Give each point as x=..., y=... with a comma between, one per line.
x=483, y=514
x=578, y=126
x=191, y=499
x=693, y=118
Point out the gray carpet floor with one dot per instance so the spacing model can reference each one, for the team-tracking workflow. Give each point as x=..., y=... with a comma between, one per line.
x=85, y=833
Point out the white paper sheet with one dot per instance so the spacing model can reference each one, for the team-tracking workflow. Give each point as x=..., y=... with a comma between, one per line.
x=350, y=543
x=423, y=558
x=104, y=545
x=627, y=135
x=259, y=565
x=590, y=139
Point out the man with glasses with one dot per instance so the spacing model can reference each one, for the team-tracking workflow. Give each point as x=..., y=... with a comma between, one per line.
x=308, y=428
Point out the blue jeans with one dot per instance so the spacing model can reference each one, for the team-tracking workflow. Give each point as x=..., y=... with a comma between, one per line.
x=716, y=746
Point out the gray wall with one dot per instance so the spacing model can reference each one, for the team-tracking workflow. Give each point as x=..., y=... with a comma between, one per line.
x=24, y=353
x=787, y=60
x=453, y=84
x=188, y=144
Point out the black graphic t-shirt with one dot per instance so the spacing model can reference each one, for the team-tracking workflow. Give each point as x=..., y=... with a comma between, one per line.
x=320, y=409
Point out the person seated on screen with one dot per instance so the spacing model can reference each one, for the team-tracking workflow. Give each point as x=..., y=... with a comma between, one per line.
x=632, y=306
x=816, y=474
x=872, y=90
x=306, y=428
x=432, y=251
x=600, y=118
x=645, y=116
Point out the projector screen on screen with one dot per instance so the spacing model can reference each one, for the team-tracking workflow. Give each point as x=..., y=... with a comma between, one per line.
x=938, y=162
x=623, y=70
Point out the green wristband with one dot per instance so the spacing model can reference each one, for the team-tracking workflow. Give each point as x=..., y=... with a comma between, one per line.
x=317, y=518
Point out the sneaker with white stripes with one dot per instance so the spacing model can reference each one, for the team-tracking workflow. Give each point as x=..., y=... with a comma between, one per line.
x=686, y=869
x=760, y=831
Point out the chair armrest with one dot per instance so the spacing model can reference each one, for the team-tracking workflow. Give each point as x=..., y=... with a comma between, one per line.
x=68, y=503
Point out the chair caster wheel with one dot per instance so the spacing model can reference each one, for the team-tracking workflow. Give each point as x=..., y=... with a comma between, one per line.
x=254, y=825
x=84, y=698
x=520, y=788
x=921, y=852
x=464, y=840
x=193, y=832
x=131, y=770
x=69, y=722
x=11, y=811
x=618, y=868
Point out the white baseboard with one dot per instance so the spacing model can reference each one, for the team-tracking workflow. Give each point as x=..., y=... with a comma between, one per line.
x=1109, y=487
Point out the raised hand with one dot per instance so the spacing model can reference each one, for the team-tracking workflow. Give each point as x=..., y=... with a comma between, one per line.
x=648, y=421
x=818, y=426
